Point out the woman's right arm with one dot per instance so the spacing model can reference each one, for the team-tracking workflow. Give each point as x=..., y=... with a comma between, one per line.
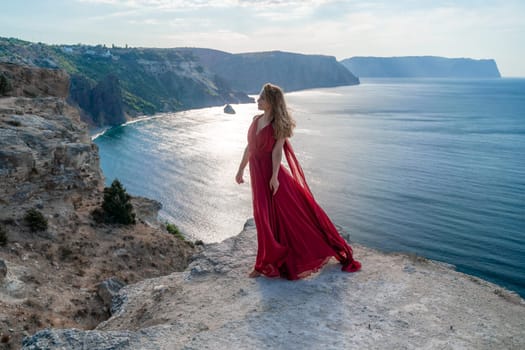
x=244, y=162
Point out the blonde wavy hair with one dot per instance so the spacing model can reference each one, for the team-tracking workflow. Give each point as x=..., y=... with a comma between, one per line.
x=283, y=123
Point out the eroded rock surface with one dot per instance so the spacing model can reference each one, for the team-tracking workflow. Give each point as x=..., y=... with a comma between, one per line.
x=395, y=302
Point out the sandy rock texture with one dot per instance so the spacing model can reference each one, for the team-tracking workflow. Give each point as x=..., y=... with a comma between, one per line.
x=395, y=302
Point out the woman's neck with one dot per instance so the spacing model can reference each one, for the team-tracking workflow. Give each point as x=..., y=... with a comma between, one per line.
x=267, y=116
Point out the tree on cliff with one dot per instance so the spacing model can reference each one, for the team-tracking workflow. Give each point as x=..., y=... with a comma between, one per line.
x=116, y=207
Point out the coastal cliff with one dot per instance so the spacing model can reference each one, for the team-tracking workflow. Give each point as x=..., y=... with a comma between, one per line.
x=421, y=67
x=397, y=301
x=249, y=71
x=110, y=85
x=50, y=277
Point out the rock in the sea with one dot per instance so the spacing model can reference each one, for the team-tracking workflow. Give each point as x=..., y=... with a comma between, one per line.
x=229, y=109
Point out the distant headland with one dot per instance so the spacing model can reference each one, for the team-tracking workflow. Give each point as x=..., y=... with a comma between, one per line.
x=421, y=66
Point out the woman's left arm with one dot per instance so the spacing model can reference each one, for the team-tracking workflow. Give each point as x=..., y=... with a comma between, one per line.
x=277, y=155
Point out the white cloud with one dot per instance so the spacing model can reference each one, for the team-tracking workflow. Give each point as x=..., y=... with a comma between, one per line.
x=342, y=28
x=222, y=39
x=184, y=4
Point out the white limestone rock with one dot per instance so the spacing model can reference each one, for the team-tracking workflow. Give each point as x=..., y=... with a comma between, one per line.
x=396, y=301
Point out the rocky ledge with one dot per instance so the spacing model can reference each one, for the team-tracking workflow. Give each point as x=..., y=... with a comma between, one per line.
x=397, y=301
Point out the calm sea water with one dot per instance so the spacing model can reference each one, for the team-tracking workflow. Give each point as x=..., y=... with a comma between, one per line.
x=434, y=167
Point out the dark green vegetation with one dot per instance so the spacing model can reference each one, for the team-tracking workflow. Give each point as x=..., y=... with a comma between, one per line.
x=174, y=230
x=116, y=207
x=4, y=85
x=35, y=220
x=3, y=236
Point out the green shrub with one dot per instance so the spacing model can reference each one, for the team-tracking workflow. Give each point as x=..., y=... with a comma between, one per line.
x=64, y=253
x=3, y=236
x=174, y=230
x=35, y=220
x=116, y=207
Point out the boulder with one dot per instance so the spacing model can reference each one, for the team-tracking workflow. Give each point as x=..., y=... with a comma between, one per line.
x=228, y=109
x=108, y=289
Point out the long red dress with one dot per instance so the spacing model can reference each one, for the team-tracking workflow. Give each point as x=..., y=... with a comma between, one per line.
x=295, y=237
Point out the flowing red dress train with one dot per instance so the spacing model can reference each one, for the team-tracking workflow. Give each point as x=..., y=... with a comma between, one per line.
x=295, y=237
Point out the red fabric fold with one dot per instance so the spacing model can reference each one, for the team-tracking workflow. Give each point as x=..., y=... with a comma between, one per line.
x=295, y=237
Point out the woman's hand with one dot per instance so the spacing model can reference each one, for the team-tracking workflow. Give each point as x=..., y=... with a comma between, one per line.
x=238, y=177
x=274, y=185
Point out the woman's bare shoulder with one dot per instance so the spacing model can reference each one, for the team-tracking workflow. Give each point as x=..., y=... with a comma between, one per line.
x=257, y=116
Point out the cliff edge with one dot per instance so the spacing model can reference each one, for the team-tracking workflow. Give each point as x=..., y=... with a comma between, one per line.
x=396, y=301
x=51, y=277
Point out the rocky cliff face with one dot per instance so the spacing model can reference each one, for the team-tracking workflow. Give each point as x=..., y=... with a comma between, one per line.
x=50, y=278
x=421, y=66
x=44, y=148
x=102, y=103
x=395, y=302
x=248, y=72
x=23, y=81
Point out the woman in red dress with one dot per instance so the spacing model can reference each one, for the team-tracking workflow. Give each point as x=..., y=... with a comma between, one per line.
x=295, y=237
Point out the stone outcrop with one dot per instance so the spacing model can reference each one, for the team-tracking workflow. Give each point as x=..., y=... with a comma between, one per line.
x=34, y=82
x=108, y=289
x=395, y=302
x=44, y=148
x=228, y=109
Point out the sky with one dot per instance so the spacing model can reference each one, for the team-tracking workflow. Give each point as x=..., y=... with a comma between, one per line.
x=475, y=29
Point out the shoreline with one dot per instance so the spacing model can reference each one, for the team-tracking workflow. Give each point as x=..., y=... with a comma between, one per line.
x=99, y=131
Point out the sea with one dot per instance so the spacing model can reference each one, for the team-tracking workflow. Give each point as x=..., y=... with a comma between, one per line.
x=431, y=167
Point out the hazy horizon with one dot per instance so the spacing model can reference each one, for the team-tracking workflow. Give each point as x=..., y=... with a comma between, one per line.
x=344, y=29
